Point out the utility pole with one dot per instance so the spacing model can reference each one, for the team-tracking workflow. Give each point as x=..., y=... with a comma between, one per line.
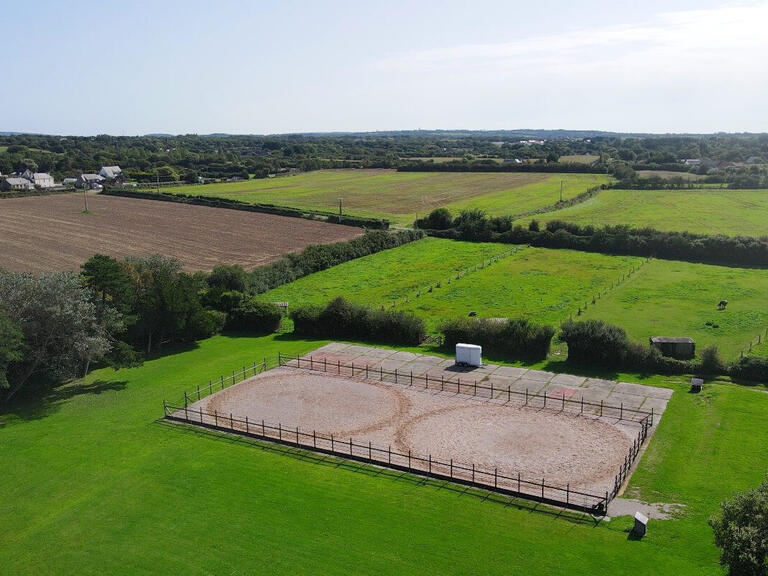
x=158, y=182
x=561, y=190
x=340, y=213
x=85, y=197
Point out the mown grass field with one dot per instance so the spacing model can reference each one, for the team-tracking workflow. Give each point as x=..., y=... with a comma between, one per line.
x=381, y=278
x=662, y=298
x=401, y=197
x=705, y=211
x=579, y=159
x=93, y=483
x=670, y=298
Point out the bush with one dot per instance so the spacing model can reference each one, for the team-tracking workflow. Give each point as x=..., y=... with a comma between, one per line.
x=515, y=338
x=711, y=364
x=204, y=324
x=438, y=219
x=741, y=532
x=751, y=368
x=255, y=317
x=228, y=278
x=344, y=320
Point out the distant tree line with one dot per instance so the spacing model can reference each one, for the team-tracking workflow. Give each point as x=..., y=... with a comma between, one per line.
x=475, y=225
x=491, y=166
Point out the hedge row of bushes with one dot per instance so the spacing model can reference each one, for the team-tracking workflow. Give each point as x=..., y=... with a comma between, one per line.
x=462, y=166
x=346, y=219
x=727, y=250
x=343, y=319
x=517, y=338
x=321, y=256
x=597, y=343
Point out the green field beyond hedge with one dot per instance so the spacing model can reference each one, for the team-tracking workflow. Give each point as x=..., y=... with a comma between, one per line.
x=706, y=211
x=662, y=298
x=401, y=197
x=93, y=483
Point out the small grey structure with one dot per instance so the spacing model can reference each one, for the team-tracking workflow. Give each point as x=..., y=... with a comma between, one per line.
x=680, y=348
x=696, y=384
x=641, y=525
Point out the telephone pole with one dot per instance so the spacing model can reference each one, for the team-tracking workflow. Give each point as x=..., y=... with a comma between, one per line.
x=340, y=212
x=561, y=190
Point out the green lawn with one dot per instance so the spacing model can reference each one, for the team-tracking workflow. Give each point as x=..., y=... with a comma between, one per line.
x=670, y=298
x=386, y=276
x=546, y=286
x=712, y=211
x=93, y=483
x=403, y=196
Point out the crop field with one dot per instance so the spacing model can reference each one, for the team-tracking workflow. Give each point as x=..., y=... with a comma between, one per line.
x=401, y=197
x=669, y=175
x=579, y=159
x=704, y=211
x=47, y=233
x=670, y=298
x=117, y=491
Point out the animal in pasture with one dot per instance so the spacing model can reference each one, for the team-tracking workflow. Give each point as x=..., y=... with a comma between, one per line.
x=722, y=304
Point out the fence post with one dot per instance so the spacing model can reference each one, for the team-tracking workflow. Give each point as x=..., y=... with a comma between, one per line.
x=222, y=382
x=279, y=431
x=451, y=474
x=165, y=409
x=338, y=366
x=369, y=451
x=509, y=394
x=545, y=398
x=298, y=361
x=582, y=404
x=381, y=374
x=430, y=464
x=201, y=414
x=473, y=474
x=247, y=428
x=314, y=439
x=332, y=443
x=458, y=386
x=353, y=369
x=601, y=408
x=185, y=400
x=409, y=460
x=350, y=446
x=411, y=384
x=231, y=422
x=567, y=493
x=495, y=477
x=395, y=375
x=526, y=396
x=651, y=415
x=311, y=363
x=216, y=417
x=542, y=489
x=518, y=483
x=198, y=391
x=563, y=408
x=210, y=387
x=442, y=383
x=263, y=429
x=491, y=389
x=279, y=359
x=325, y=364
x=621, y=412
x=366, y=371
x=297, y=435
x=389, y=454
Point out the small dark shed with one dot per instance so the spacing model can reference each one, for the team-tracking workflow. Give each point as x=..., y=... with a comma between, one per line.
x=680, y=348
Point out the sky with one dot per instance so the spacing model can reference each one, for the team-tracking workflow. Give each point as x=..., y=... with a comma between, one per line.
x=265, y=67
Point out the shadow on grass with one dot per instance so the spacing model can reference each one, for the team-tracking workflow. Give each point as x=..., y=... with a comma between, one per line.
x=370, y=470
x=31, y=408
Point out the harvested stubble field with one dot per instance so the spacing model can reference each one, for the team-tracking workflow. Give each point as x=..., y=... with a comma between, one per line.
x=562, y=448
x=47, y=233
x=402, y=196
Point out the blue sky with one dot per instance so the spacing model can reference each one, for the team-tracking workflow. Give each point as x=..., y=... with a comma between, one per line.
x=272, y=67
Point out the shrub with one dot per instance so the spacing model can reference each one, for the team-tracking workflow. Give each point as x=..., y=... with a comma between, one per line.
x=751, y=368
x=438, y=219
x=228, y=278
x=342, y=319
x=204, y=324
x=255, y=317
x=711, y=364
x=516, y=338
x=741, y=532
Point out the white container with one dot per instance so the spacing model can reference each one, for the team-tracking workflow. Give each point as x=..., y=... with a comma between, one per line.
x=469, y=355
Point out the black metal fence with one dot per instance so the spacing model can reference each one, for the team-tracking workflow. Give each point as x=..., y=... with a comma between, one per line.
x=470, y=387
x=461, y=473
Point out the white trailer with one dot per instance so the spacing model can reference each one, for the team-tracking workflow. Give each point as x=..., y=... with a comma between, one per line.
x=469, y=355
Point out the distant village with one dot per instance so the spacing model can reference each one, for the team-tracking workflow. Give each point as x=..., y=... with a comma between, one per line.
x=28, y=181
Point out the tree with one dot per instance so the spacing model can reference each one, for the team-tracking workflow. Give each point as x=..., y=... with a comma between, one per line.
x=741, y=532
x=63, y=332
x=228, y=278
x=11, y=341
x=109, y=280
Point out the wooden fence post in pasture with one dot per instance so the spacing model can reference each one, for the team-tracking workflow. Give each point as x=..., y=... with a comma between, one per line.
x=279, y=358
x=395, y=375
x=298, y=361
x=542, y=489
x=475, y=389
x=621, y=411
x=458, y=386
x=381, y=374
x=186, y=416
x=332, y=443
x=563, y=408
x=451, y=472
x=263, y=429
x=389, y=454
x=311, y=363
x=366, y=371
x=369, y=451
x=545, y=398
x=350, y=446
x=185, y=400
x=429, y=470
x=201, y=414
x=210, y=387
x=297, y=435
x=442, y=383
x=279, y=431
x=526, y=396
x=353, y=369
x=509, y=393
x=409, y=460
x=233, y=376
x=567, y=493
x=582, y=404
x=518, y=483
x=338, y=366
x=247, y=427
x=491, y=389
x=314, y=439
x=411, y=384
x=231, y=422
x=473, y=473
x=221, y=379
x=198, y=391
x=495, y=477
x=601, y=408
x=216, y=417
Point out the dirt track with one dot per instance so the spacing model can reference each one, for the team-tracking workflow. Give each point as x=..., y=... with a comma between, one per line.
x=48, y=233
x=563, y=448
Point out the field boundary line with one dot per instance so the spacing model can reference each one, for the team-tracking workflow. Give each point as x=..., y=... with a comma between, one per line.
x=561, y=204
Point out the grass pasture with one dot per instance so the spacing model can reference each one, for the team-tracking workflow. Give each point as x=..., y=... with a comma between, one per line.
x=671, y=298
x=702, y=211
x=579, y=159
x=93, y=483
x=403, y=196
x=669, y=175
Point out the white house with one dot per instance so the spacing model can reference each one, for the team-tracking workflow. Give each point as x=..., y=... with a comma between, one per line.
x=16, y=184
x=110, y=172
x=42, y=180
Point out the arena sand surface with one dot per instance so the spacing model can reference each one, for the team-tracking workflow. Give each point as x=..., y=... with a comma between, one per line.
x=51, y=233
x=584, y=452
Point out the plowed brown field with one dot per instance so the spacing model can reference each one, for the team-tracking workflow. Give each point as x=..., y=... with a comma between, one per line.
x=48, y=233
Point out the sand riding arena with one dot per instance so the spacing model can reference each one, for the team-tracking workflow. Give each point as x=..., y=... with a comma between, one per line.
x=465, y=426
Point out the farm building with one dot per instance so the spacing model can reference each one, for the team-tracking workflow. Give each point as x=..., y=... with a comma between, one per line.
x=110, y=172
x=39, y=179
x=89, y=181
x=16, y=184
x=680, y=348
x=69, y=182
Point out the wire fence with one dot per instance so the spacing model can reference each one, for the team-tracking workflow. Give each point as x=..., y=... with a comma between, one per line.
x=461, y=473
